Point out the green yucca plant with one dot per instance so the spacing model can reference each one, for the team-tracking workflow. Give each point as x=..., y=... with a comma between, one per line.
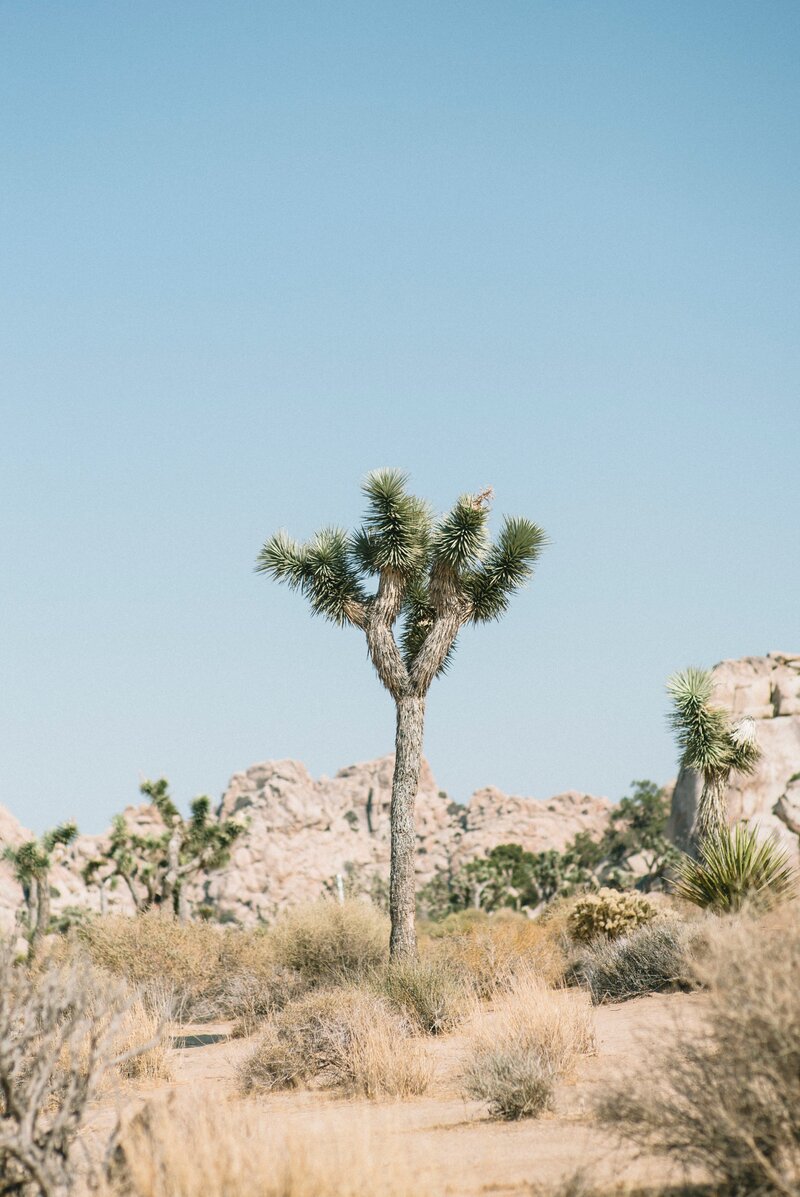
x=712, y=744
x=736, y=869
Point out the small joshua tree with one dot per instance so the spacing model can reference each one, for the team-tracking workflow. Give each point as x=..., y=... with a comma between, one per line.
x=32, y=862
x=712, y=744
x=433, y=577
x=155, y=868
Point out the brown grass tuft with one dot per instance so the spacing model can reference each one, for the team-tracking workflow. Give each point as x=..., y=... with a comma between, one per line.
x=348, y=1039
x=327, y=942
x=517, y=1054
x=190, y=1146
x=492, y=953
x=727, y=1098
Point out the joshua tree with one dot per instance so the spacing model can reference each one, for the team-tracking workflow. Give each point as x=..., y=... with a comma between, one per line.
x=32, y=862
x=712, y=744
x=155, y=868
x=433, y=576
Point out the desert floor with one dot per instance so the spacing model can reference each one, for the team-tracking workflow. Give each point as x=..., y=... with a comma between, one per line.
x=448, y=1144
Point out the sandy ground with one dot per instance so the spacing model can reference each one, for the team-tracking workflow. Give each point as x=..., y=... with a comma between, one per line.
x=449, y=1142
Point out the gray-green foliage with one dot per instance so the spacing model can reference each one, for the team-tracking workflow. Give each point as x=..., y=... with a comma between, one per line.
x=736, y=868
x=32, y=862
x=429, y=992
x=650, y=959
x=156, y=866
x=401, y=534
x=709, y=740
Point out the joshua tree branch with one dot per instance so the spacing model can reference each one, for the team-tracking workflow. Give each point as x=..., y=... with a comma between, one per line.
x=382, y=613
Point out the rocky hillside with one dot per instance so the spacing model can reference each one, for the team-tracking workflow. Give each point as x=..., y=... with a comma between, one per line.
x=302, y=831
x=767, y=689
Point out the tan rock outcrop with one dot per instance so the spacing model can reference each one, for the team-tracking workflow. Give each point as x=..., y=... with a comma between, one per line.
x=766, y=689
x=302, y=832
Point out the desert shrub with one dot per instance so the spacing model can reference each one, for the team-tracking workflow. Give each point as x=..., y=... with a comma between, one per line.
x=491, y=953
x=432, y=993
x=609, y=913
x=62, y=1030
x=650, y=959
x=327, y=942
x=515, y=1059
x=346, y=1038
x=726, y=1097
x=210, y=971
x=736, y=869
x=196, y=1145
x=455, y=923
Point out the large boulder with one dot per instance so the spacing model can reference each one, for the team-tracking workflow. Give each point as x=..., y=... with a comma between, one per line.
x=766, y=689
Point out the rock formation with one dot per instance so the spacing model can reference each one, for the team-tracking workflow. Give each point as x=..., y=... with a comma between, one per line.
x=302, y=832
x=767, y=689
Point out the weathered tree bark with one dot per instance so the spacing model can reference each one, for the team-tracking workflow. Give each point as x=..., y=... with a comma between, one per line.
x=711, y=818
x=170, y=887
x=405, y=782
x=42, y=911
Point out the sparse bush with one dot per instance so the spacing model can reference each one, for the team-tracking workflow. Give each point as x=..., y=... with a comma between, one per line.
x=609, y=913
x=431, y=992
x=61, y=1031
x=736, y=869
x=211, y=972
x=348, y=1039
x=328, y=942
x=142, y=1027
x=515, y=1059
x=491, y=953
x=726, y=1097
x=190, y=1145
x=650, y=959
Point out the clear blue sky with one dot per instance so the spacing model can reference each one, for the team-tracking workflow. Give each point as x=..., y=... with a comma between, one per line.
x=251, y=250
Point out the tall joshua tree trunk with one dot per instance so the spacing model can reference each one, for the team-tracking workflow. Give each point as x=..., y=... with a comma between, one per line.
x=405, y=783
x=711, y=816
x=433, y=576
x=42, y=911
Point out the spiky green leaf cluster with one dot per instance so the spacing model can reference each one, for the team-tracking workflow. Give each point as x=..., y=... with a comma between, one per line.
x=709, y=741
x=399, y=536
x=461, y=537
x=397, y=526
x=64, y=834
x=322, y=570
x=33, y=859
x=507, y=565
x=736, y=869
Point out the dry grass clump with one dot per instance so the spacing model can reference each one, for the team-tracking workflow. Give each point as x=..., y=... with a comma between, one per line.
x=492, y=952
x=348, y=1039
x=139, y=1027
x=727, y=1097
x=62, y=1031
x=431, y=992
x=651, y=959
x=609, y=913
x=211, y=972
x=328, y=942
x=517, y=1054
x=185, y=1146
